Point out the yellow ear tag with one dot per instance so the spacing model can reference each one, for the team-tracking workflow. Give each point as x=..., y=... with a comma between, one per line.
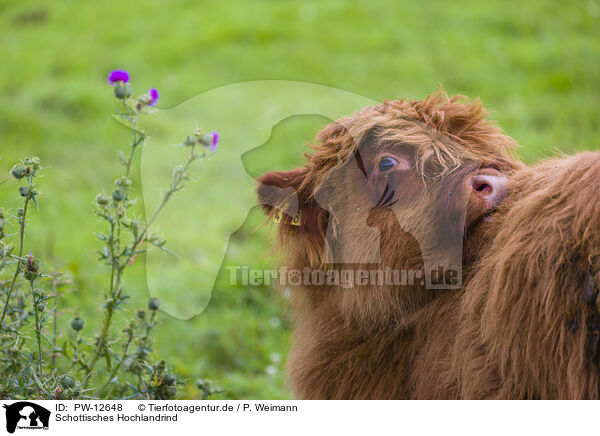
x=294, y=222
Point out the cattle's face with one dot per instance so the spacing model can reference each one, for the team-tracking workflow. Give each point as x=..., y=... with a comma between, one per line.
x=392, y=180
x=403, y=186
x=386, y=206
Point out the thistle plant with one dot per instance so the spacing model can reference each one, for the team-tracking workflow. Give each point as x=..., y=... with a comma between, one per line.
x=114, y=362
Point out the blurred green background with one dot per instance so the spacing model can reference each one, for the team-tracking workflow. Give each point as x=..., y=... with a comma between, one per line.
x=535, y=64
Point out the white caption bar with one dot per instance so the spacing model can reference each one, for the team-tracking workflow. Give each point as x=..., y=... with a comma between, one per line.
x=295, y=417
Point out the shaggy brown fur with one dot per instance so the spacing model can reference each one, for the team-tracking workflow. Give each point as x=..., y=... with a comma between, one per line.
x=369, y=341
x=529, y=324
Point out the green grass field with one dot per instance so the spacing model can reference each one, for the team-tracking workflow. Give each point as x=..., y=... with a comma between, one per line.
x=536, y=65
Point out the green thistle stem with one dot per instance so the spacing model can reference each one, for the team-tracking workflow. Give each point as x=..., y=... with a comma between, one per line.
x=38, y=328
x=21, y=244
x=116, y=266
x=176, y=185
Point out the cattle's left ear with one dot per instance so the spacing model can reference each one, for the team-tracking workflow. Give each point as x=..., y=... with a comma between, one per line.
x=280, y=191
x=287, y=198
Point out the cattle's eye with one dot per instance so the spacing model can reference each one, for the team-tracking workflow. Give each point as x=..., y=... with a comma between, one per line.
x=387, y=163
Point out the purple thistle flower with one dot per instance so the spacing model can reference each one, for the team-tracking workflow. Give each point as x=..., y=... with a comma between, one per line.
x=153, y=94
x=118, y=76
x=215, y=141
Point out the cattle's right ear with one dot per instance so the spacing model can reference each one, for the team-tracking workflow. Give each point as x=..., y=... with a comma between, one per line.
x=281, y=191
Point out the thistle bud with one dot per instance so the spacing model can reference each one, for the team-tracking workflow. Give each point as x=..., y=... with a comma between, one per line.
x=77, y=323
x=206, y=139
x=36, y=162
x=66, y=381
x=189, y=141
x=150, y=98
x=123, y=181
x=20, y=212
x=169, y=379
x=24, y=191
x=154, y=304
x=31, y=268
x=141, y=314
x=122, y=90
x=117, y=195
x=129, y=330
x=203, y=385
x=41, y=306
x=101, y=199
x=18, y=172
